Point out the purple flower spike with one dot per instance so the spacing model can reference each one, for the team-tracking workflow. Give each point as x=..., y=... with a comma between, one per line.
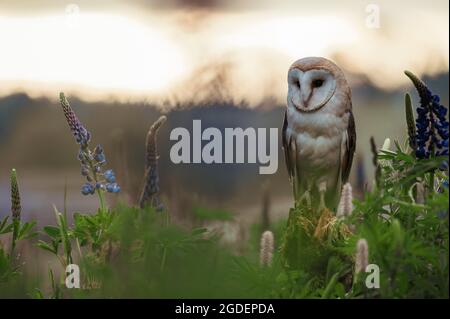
x=82, y=136
x=92, y=161
x=432, y=126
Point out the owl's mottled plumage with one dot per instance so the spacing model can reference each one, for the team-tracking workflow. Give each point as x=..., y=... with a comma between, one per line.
x=319, y=135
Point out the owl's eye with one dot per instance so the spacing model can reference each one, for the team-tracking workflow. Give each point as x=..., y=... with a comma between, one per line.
x=317, y=83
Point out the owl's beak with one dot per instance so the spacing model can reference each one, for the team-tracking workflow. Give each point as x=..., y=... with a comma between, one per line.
x=305, y=98
x=305, y=103
x=300, y=105
x=297, y=103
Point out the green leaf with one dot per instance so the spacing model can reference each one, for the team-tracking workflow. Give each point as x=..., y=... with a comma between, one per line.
x=37, y=294
x=52, y=231
x=387, y=153
x=4, y=228
x=198, y=231
x=330, y=287
x=26, y=230
x=64, y=235
x=43, y=245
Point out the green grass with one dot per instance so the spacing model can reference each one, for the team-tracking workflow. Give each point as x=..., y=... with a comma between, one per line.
x=136, y=253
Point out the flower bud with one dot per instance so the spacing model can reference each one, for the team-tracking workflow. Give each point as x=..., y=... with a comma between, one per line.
x=345, y=207
x=112, y=188
x=362, y=256
x=80, y=155
x=87, y=189
x=266, y=248
x=100, y=186
x=15, y=196
x=110, y=176
x=98, y=149
x=84, y=170
x=100, y=157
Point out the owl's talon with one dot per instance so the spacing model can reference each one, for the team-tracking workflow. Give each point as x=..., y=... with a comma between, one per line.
x=322, y=190
x=322, y=205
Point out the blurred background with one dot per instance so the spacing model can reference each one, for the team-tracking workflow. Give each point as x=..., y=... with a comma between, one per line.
x=124, y=63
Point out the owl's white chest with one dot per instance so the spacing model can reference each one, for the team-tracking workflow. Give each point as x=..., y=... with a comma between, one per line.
x=318, y=138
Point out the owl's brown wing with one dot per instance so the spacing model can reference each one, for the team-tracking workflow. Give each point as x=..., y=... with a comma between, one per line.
x=286, y=145
x=350, y=145
x=290, y=148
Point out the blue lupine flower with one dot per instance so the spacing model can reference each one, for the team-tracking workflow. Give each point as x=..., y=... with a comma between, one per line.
x=109, y=187
x=432, y=125
x=87, y=189
x=445, y=183
x=109, y=176
x=100, y=157
x=443, y=166
x=442, y=214
x=113, y=188
x=98, y=149
x=100, y=186
x=91, y=162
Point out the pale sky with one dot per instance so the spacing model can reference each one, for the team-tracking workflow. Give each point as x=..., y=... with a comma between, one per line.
x=158, y=50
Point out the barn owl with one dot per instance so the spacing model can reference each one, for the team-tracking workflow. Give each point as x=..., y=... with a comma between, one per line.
x=318, y=131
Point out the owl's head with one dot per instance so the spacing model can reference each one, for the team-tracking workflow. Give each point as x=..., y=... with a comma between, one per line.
x=312, y=82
